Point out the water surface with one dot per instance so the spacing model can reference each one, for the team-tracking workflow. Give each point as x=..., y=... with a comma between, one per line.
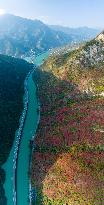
x=29, y=129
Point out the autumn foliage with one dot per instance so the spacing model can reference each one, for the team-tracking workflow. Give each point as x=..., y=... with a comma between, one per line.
x=68, y=161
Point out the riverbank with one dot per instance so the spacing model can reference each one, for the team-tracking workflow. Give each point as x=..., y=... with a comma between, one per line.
x=19, y=135
x=11, y=177
x=12, y=75
x=32, y=191
x=24, y=149
x=17, y=166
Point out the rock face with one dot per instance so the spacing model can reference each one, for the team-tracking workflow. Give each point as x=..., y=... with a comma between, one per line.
x=90, y=55
x=100, y=37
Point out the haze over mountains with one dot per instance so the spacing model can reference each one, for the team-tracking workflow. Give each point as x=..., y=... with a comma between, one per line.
x=79, y=34
x=22, y=37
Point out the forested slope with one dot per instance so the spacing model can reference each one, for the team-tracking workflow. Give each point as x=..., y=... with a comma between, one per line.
x=12, y=75
x=68, y=162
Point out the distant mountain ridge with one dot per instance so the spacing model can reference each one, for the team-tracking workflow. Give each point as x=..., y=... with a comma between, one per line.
x=80, y=33
x=24, y=37
x=21, y=37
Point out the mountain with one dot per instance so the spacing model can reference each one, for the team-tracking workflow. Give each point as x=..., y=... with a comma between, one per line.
x=12, y=75
x=78, y=34
x=21, y=37
x=68, y=160
x=24, y=37
x=82, y=60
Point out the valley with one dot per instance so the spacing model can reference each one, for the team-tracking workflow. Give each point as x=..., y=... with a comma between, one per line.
x=51, y=113
x=21, y=37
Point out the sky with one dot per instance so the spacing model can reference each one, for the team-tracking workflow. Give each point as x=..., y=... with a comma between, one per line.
x=72, y=13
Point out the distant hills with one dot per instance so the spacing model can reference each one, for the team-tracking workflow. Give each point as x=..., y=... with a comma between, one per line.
x=22, y=37
x=78, y=34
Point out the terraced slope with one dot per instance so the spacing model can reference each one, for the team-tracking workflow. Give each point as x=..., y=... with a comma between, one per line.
x=68, y=162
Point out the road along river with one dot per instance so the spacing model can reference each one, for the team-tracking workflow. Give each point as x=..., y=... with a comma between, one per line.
x=17, y=166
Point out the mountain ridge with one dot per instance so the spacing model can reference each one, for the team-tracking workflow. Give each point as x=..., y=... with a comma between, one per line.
x=22, y=37
x=78, y=32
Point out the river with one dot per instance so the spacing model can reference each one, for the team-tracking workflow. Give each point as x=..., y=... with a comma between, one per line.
x=22, y=164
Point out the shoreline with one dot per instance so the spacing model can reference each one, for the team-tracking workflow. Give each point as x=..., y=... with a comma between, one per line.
x=31, y=188
x=18, y=138
x=12, y=180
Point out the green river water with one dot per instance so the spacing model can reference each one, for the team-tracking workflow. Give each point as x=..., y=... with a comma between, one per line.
x=29, y=129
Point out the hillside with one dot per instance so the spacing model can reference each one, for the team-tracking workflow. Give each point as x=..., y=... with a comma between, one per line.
x=22, y=37
x=68, y=160
x=12, y=75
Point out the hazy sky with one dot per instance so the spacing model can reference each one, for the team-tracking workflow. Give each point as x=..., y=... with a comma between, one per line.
x=64, y=12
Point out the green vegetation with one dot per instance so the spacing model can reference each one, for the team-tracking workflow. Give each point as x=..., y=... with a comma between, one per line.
x=12, y=75
x=68, y=162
